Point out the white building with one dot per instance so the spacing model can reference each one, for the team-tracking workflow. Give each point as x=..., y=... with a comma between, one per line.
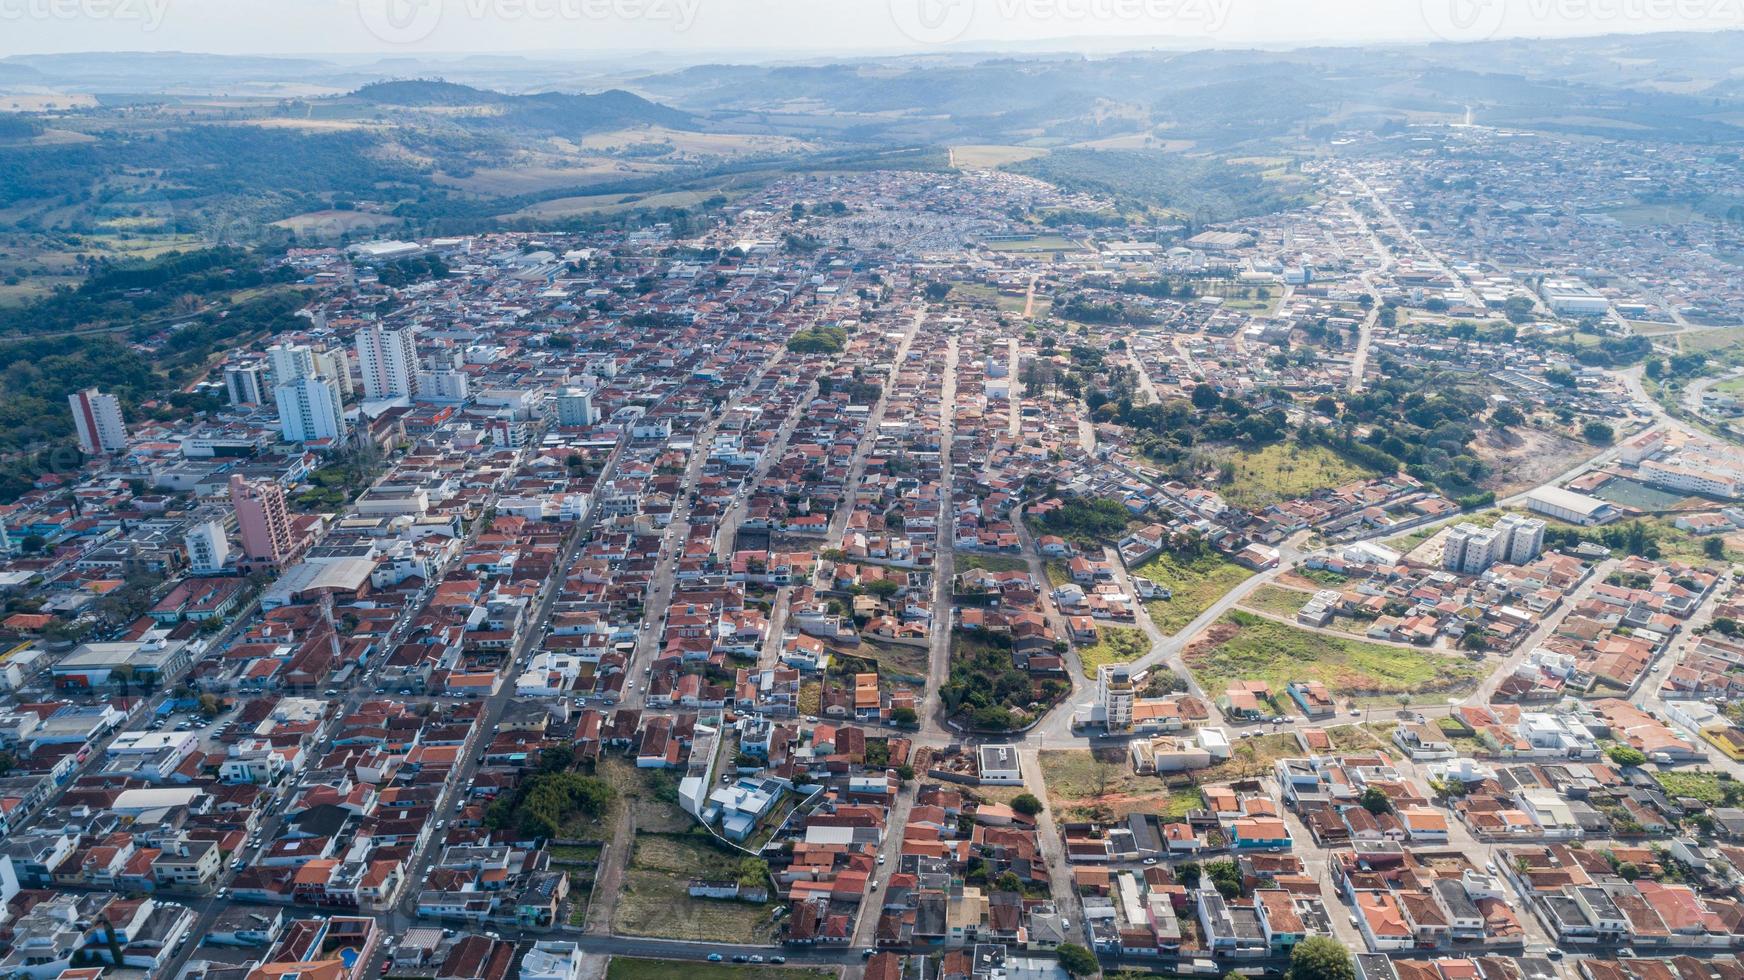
x=1525, y=538
x=311, y=408
x=1712, y=481
x=290, y=362
x=208, y=548
x=1572, y=297
x=388, y=360
x=246, y=384
x=1115, y=694
x=98, y=419
x=575, y=407
x=1566, y=505
x=1470, y=549
x=552, y=959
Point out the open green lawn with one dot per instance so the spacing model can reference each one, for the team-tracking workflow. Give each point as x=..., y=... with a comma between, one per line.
x=1196, y=584
x=1283, y=471
x=655, y=900
x=1114, y=645
x=1243, y=646
x=636, y=968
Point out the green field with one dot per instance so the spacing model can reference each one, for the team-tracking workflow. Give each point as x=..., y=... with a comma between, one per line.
x=1243, y=646
x=1196, y=584
x=990, y=563
x=986, y=156
x=635, y=968
x=1709, y=787
x=1276, y=599
x=1114, y=645
x=1283, y=471
x=1040, y=243
x=1711, y=340
x=655, y=901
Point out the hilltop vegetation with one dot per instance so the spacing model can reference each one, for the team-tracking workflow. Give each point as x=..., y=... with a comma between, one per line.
x=1203, y=190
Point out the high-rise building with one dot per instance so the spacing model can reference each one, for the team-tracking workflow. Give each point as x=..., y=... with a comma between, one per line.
x=248, y=383
x=575, y=407
x=310, y=409
x=335, y=364
x=388, y=360
x=444, y=386
x=290, y=362
x=262, y=520
x=1471, y=549
x=98, y=419
x=446, y=382
x=208, y=548
x=1114, y=691
x=1525, y=537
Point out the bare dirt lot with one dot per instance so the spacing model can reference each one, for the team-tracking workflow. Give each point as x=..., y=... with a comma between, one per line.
x=1525, y=458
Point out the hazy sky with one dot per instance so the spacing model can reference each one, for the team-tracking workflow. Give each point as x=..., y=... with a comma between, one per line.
x=823, y=26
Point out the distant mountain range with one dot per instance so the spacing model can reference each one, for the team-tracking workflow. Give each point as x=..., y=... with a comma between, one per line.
x=549, y=112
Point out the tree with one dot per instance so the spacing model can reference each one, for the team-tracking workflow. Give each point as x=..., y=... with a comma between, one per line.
x=903, y=716
x=1506, y=417
x=1027, y=804
x=1078, y=961
x=33, y=543
x=1321, y=958
x=210, y=706
x=1375, y=801
x=1714, y=548
x=1598, y=433
x=1624, y=755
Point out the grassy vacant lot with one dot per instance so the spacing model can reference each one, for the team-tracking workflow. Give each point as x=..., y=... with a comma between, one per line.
x=1285, y=470
x=1040, y=243
x=986, y=156
x=990, y=563
x=1242, y=646
x=1084, y=783
x=1114, y=645
x=1710, y=340
x=1196, y=584
x=655, y=899
x=1276, y=599
x=1250, y=757
x=649, y=795
x=893, y=661
x=635, y=968
x=1709, y=787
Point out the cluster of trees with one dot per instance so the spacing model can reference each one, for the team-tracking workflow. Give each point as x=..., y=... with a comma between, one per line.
x=818, y=340
x=1224, y=875
x=987, y=689
x=1083, y=310
x=1206, y=189
x=1087, y=520
x=546, y=801
x=405, y=272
